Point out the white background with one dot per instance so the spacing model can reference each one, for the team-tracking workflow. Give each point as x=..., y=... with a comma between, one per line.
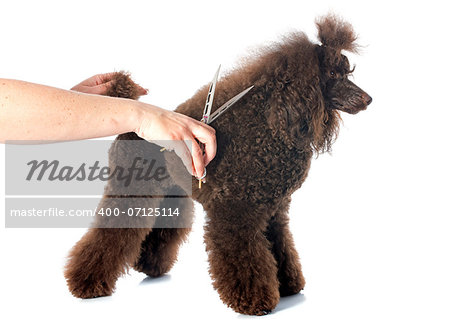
x=371, y=222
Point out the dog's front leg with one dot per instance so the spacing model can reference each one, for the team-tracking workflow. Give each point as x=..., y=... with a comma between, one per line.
x=242, y=267
x=283, y=248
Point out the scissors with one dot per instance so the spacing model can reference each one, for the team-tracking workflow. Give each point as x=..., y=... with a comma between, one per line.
x=208, y=118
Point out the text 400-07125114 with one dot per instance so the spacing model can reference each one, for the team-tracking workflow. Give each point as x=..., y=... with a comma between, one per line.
x=151, y=212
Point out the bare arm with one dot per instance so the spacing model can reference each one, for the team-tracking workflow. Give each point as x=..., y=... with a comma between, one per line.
x=36, y=112
x=31, y=111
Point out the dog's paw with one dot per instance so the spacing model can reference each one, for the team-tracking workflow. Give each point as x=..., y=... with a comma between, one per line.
x=89, y=288
x=251, y=298
x=154, y=269
x=85, y=281
x=290, y=275
x=291, y=284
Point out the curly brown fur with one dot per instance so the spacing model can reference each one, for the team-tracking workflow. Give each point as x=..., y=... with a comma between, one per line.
x=337, y=34
x=289, y=273
x=265, y=145
x=159, y=250
x=123, y=86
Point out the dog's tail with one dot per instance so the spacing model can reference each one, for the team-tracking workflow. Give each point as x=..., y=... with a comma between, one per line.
x=124, y=87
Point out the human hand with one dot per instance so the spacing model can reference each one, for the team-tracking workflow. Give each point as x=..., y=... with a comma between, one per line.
x=99, y=84
x=179, y=133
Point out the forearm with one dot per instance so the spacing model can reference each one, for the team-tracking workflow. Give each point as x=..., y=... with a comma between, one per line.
x=35, y=112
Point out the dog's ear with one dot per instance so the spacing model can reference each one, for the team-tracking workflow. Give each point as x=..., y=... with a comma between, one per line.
x=281, y=118
x=336, y=33
x=295, y=116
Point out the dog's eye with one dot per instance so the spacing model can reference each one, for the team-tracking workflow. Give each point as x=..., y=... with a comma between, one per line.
x=332, y=74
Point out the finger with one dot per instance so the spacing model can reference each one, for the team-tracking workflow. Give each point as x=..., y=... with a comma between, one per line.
x=197, y=156
x=100, y=89
x=142, y=91
x=207, y=136
x=104, y=77
x=180, y=149
x=184, y=154
x=76, y=88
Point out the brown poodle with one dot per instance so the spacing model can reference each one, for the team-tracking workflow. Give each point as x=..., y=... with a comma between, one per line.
x=265, y=145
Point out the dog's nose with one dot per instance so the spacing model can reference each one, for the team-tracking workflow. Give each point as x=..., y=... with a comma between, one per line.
x=367, y=99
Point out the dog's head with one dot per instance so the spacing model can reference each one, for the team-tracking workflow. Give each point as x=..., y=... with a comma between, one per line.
x=310, y=84
x=338, y=91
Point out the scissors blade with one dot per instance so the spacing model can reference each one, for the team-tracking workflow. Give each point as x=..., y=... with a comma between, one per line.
x=210, y=98
x=227, y=105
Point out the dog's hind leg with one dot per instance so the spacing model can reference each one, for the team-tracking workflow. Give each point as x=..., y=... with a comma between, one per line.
x=159, y=250
x=99, y=258
x=283, y=248
x=242, y=267
x=113, y=244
